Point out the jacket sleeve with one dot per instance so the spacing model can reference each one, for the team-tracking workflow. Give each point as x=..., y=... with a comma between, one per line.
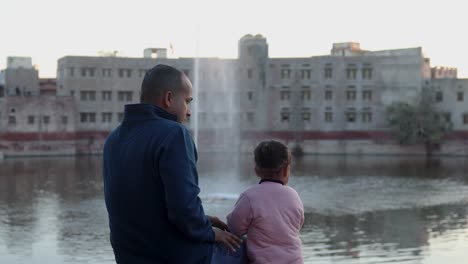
x=240, y=218
x=177, y=167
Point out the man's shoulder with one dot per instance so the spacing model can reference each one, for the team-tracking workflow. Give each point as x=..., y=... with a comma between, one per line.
x=161, y=128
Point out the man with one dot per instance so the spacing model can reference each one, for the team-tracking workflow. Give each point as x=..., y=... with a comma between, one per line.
x=151, y=181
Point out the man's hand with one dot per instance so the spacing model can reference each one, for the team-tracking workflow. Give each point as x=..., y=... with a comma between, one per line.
x=215, y=222
x=228, y=239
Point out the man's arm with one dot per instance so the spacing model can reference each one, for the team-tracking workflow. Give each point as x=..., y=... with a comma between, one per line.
x=177, y=167
x=216, y=222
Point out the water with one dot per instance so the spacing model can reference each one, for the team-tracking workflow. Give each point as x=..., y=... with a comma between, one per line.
x=358, y=210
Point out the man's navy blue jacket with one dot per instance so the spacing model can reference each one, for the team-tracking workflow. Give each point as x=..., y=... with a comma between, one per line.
x=151, y=191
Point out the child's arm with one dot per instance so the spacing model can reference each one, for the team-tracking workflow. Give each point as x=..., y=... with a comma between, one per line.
x=240, y=218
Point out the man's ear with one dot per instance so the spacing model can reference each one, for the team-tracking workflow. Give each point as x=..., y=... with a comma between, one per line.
x=168, y=99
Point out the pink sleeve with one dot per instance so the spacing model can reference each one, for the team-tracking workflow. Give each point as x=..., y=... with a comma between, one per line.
x=302, y=218
x=301, y=208
x=240, y=218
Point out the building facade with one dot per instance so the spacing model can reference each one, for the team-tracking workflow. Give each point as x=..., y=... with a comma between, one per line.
x=340, y=96
x=347, y=90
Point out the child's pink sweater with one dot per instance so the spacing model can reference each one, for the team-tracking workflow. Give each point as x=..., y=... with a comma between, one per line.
x=271, y=214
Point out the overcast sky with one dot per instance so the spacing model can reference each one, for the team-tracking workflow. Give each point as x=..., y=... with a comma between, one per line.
x=49, y=29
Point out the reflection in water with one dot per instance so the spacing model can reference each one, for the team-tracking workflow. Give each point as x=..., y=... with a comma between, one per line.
x=359, y=209
x=52, y=211
x=375, y=237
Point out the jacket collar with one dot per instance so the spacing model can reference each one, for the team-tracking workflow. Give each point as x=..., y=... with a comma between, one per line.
x=271, y=180
x=138, y=112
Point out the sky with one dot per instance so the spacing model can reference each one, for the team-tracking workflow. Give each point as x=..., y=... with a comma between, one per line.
x=47, y=30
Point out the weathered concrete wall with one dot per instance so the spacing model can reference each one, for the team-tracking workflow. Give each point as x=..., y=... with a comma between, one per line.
x=21, y=81
x=450, y=102
x=366, y=147
x=93, y=144
x=37, y=114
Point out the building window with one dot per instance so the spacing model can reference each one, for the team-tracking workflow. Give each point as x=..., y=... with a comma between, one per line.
x=460, y=96
x=71, y=71
x=465, y=119
x=106, y=117
x=250, y=117
x=285, y=115
x=367, y=117
x=328, y=117
x=351, y=116
x=83, y=117
x=88, y=117
x=350, y=95
x=64, y=120
x=120, y=117
x=328, y=95
x=30, y=120
x=351, y=72
x=439, y=96
x=328, y=73
x=367, y=95
x=447, y=117
x=249, y=73
x=125, y=73
x=125, y=96
x=107, y=72
x=12, y=120
x=305, y=95
x=285, y=95
x=366, y=72
x=46, y=119
x=305, y=114
x=305, y=74
x=107, y=95
x=250, y=96
x=88, y=95
x=87, y=72
x=285, y=73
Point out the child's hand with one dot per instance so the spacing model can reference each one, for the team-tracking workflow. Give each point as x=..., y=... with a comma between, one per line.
x=216, y=222
x=228, y=239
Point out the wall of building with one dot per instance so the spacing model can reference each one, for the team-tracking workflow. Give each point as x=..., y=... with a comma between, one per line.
x=37, y=114
x=21, y=81
x=328, y=98
x=452, y=100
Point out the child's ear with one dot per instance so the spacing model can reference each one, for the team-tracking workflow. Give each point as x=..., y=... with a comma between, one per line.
x=286, y=170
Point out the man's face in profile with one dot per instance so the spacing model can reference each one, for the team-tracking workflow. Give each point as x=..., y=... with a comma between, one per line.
x=182, y=101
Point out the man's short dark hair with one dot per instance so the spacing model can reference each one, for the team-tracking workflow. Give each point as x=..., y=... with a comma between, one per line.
x=158, y=80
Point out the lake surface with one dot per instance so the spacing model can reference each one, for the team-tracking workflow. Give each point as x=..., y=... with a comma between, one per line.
x=358, y=209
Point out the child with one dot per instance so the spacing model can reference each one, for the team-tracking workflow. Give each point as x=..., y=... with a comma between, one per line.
x=270, y=213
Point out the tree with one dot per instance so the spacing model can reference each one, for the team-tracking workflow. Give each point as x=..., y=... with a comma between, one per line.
x=420, y=123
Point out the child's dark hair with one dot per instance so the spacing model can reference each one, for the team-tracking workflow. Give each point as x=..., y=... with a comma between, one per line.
x=270, y=157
